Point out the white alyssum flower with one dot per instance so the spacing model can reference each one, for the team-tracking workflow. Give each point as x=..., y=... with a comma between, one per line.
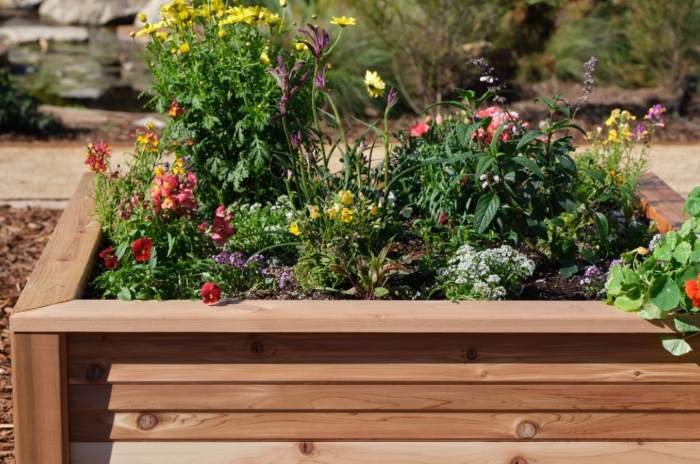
x=485, y=275
x=654, y=241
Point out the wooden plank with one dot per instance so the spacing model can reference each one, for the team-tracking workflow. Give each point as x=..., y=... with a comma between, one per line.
x=40, y=398
x=661, y=203
x=387, y=453
x=252, y=316
x=272, y=397
x=472, y=348
x=397, y=425
x=66, y=263
x=204, y=370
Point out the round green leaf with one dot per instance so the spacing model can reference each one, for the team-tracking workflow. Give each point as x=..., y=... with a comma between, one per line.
x=665, y=293
x=675, y=346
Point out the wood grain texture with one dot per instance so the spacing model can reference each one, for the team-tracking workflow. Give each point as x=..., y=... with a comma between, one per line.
x=260, y=316
x=468, y=348
x=661, y=203
x=40, y=398
x=207, y=370
x=386, y=453
x=65, y=265
x=271, y=397
x=410, y=426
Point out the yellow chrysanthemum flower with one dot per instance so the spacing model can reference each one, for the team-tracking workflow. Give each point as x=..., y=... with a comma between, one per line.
x=150, y=28
x=313, y=212
x=161, y=35
x=300, y=46
x=375, y=84
x=184, y=48
x=222, y=33
x=343, y=21
x=265, y=59
x=347, y=197
x=346, y=216
x=294, y=229
x=142, y=17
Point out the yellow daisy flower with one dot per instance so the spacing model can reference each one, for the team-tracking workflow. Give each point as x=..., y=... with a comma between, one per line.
x=375, y=84
x=184, y=48
x=343, y=21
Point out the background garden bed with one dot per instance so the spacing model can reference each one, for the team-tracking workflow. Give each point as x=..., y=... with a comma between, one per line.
x=116, y=381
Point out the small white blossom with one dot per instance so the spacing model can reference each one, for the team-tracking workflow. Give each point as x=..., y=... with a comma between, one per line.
x=407, y=212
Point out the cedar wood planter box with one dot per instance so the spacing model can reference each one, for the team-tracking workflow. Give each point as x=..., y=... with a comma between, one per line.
x=176, y=382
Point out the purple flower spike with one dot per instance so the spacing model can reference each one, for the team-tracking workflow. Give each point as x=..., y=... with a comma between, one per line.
x=317, y=42
x=296, y=139
x=320, y=80
x=284, y=79
x=393, y=98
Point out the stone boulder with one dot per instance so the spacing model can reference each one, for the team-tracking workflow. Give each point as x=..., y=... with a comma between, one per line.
x=152, y=10
x=27, y=34
x=90, y=12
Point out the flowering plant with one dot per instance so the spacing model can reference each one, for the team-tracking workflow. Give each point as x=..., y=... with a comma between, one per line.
x=662, y=278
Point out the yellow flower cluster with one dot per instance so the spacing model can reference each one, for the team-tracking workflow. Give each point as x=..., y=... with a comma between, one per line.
x=253, y=15
x=618, y=126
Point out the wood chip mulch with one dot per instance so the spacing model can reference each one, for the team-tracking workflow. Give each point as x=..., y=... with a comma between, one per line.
x=23, y=235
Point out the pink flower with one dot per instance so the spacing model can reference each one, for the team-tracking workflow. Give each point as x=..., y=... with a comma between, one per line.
x=221, y=211
x=170, y=202
x=202, y=228
x=420, y=129
x=192, y=179
x=428, y=120
x=186, y=199
x=490, y=111
x=439, y=120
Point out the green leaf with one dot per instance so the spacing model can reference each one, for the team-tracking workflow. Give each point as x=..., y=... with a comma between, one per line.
x=692, y=203
x=625, y=303
x=682, y=253
x=486, y=210
x=652, y=312
x=529, y=164
x=121, y=249
x=171, y=242
x=547, y=101
x=663, y=251
x=675, y=346
x=594, y=174
x=464, y=132
x=556, y=222
x=568, y=270
x=482, y=165
x=568, y=202
x=380, y=292
x=601, y=225
x=664, y=293
x=685, y=327
x=695, y=256
x=467, y=95
x=528, y=137
x=124, y=294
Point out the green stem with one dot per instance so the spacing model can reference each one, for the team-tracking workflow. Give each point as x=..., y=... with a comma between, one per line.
x=386, y=152
x=346, y=158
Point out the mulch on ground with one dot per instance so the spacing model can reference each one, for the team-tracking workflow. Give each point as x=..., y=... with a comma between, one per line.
x=23, y=235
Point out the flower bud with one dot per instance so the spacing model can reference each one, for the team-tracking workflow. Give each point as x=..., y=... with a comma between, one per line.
x=283, y=3
x=149, y=217
x=142, y=17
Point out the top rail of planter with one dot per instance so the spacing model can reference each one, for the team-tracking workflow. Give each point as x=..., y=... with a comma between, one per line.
x=50, y=302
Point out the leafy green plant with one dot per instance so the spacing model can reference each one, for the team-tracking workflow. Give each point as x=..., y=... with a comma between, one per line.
x=664, y=278
x=19, y=109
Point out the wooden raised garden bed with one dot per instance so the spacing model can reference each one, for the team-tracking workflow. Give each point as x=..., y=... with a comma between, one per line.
x=340, y=381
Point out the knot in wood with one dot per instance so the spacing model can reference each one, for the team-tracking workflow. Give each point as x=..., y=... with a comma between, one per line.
x=526, y=430
x=147, y=421
x=518, y=460
x=93, y=373
x=257, y=347
x=472, y=355
x=306, y=447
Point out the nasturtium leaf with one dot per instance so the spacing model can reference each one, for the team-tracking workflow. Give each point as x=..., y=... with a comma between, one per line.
x=663, y=251
x=692, y=203
x=694, y=256
x=684, y=326
x=675, y=346
x=682, y=253
x=568, y=270
x=486, y=209
x=690, y=273
x=625, y=303
x=651, y=312
x=664, y=293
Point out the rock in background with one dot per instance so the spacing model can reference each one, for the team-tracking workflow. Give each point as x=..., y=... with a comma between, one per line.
x=152, y=10
x=90, y=12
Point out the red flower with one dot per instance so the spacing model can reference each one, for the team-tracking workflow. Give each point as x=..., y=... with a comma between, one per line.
x=443, y=219
x=111, y=261
x=202, y=228
x=142, y=249
x=210, y=292
x=420, y=129
x=692, y=289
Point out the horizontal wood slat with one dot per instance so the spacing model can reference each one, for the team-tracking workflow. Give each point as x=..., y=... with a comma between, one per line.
x=661, y=203
x=384, y=426
x=253, y=316
x=204, y=371
x=382, y=397
x=472, y=348
x=65, y=265
x=386, y=453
